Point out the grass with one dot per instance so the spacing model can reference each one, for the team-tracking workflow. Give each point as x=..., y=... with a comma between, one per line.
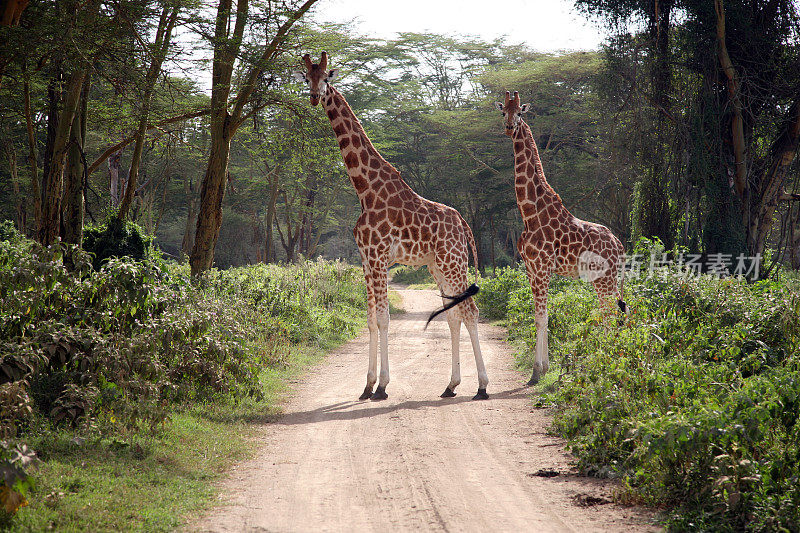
x=395, y=303
x=152, y=481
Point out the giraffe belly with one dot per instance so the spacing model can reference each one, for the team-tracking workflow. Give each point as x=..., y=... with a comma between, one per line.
x=409, y=254
x=567, y=269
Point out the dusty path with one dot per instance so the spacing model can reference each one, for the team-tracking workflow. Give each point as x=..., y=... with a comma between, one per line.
x=414, y=462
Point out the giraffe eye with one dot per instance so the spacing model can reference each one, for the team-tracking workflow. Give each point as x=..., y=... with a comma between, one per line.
x=504, y=113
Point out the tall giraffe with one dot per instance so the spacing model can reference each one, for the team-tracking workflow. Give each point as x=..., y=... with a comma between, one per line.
x=554, y=241
x=399, y=226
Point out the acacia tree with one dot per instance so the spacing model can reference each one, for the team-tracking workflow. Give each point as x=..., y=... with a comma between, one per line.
x=227, y=114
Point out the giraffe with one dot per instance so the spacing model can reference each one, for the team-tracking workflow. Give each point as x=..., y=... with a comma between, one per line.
x=397, y=225
x=554, y=241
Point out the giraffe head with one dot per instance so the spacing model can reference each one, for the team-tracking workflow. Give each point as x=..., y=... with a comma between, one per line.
x=512, y=112
x=316, y=75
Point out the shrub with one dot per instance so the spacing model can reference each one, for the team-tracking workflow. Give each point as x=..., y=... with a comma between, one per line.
x=119, y=345
x=693, y=402
x=410, y=275
x=117, y=238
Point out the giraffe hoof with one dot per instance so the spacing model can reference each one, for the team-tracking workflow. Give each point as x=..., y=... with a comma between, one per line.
x=533, y=381
x=481, y=395
x=367, y=394
x=447, y=393
x=379, y=394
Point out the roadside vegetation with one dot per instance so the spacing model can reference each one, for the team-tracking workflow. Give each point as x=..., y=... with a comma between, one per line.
x=693, y=403
x=125, y=390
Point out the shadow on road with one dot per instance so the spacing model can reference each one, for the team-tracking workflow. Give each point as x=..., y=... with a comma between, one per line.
x=343, y=411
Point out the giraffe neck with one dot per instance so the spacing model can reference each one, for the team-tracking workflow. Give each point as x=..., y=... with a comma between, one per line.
x=535, y=197
x=367, y=169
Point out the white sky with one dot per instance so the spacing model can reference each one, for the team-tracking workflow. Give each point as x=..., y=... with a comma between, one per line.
x=543, y=25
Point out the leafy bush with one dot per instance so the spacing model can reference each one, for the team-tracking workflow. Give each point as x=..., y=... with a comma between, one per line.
x=495, y=293
x=117, y=238
x=410, y=275
x=694, y=402
x=8, y=232
x=115, y=350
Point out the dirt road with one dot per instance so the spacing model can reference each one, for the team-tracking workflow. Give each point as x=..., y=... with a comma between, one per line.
x=415, y=462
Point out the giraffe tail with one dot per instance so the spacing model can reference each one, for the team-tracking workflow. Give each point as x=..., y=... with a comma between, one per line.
x=472, y=290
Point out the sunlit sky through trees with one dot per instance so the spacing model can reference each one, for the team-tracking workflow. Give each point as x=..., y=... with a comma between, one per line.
x=543, y=25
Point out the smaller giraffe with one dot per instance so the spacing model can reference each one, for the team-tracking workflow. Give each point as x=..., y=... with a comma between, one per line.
x=399, y=226
x=553, y=240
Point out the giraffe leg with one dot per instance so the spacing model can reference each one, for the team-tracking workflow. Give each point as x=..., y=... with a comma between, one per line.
x=540, y=280
x=454, y=321
x=380, y=288
x=372, y=324
x=542, y=361
x=471, y=322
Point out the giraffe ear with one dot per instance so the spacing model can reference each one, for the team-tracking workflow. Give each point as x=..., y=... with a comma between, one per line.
x=332, y=75
x=525, y=108
x=499, y=105
x=299, y=75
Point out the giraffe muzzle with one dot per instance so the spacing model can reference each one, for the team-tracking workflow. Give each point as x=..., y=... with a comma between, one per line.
x=314, y=99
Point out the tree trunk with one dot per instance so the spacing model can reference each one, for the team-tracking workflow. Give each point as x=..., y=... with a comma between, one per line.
x=737, y=122
x=11, y=156
x=654, y=218
x=493, y=235
x=191, y=216
x=782, y=154
x=269, y=245
x=55, y=174
x=794, y=246
x=74, y=195
x=32, y=164
x=209, y=217
x=224, y=123
x=159, y=52
x=115, y=182
x=53, y=99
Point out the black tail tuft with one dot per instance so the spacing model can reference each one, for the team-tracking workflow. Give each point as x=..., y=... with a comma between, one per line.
x=471, y=291
x=622, y=306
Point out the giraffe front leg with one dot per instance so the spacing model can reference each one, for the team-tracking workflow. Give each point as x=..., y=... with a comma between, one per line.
x=539, y=283
x=542, y=361
x=380, y=288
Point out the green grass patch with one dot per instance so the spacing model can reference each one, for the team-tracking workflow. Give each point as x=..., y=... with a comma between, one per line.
x=395, y=303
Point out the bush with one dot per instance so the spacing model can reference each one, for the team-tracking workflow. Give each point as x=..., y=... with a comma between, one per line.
x=116, y=347
x=8, y=231
x=116, y=238
x=694, y=402
x=410, y=275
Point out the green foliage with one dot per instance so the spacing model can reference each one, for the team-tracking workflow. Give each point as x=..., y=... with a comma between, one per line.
x=493, y=298
x=693, y=402
x=410, y=275
x=117, y=238
x=117, y=350
x=15, y=480
x=8, y=232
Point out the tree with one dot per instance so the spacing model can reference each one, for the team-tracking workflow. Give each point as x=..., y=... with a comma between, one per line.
x=227, y=116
